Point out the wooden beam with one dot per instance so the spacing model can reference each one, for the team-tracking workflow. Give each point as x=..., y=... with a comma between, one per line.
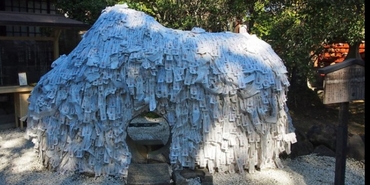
x=15, y=89
x=56, y=34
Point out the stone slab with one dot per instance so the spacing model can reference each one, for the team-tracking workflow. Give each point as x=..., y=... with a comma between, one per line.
x=149, y=174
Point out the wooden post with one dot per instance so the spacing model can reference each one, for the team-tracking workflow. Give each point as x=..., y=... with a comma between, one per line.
x=341, y=147
x=56, y=35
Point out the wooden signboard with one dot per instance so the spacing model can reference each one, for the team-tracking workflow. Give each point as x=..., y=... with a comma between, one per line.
x=344, y=81
x=345, y=85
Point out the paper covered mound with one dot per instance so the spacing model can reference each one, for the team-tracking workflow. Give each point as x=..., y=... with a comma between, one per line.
x=222, y=94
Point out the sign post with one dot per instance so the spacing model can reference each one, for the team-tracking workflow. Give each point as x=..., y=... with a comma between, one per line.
x=344, y=82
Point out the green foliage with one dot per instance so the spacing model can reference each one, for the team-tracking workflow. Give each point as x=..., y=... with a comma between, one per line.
x=151, y=115
x=298, y=31
x=335, y=22
x=212, y=15
x=83, y=10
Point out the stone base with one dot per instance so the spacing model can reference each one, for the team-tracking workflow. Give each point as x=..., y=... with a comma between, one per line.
x=149, y=174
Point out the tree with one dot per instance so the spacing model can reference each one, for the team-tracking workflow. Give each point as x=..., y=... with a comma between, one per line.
x=297, y=31
x=212, y=15
x=305, y=25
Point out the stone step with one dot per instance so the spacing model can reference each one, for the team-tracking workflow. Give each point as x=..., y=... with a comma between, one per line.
x=149, y=174
x=182, y=177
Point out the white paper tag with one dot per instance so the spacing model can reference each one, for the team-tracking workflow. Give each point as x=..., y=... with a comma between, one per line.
x=22, y=78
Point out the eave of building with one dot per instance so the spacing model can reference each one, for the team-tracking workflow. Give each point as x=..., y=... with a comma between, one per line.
x=42, y=20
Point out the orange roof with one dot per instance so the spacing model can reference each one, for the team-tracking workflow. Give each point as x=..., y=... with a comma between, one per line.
x=337, y=52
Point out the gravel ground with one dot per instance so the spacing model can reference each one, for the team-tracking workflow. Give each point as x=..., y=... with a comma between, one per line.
x=19, y=166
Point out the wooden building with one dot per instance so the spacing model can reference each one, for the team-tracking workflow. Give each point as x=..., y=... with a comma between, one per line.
x=32, y=36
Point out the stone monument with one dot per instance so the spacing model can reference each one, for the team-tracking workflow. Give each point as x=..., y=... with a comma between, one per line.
x=223, y=95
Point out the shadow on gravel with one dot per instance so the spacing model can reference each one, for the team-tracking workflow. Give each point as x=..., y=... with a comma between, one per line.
x=17, y=165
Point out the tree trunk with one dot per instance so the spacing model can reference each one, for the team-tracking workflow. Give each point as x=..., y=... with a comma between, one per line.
x=354, y=51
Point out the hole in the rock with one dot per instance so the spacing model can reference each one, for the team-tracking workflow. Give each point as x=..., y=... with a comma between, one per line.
x=148, y=136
